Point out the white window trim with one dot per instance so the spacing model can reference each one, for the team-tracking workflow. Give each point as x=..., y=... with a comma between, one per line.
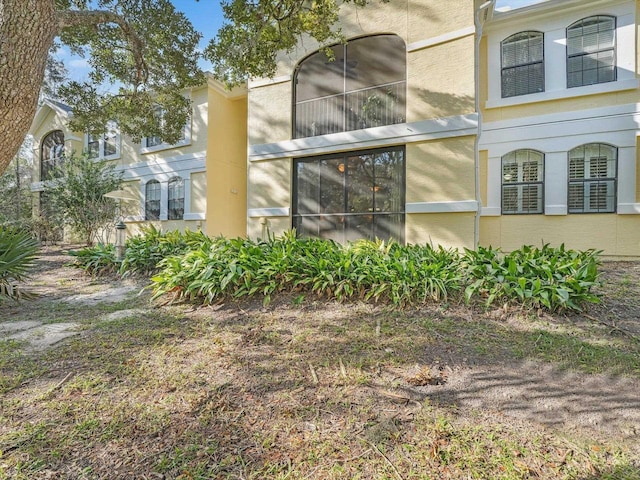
x=554, y=30
x=167, y=146
x=101, y=155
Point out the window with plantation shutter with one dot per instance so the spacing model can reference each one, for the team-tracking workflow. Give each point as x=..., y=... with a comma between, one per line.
x=523, y=64
x=592, y=178
x=522, y=182
x=176, y=199
x=152, y=200
x=591, y=51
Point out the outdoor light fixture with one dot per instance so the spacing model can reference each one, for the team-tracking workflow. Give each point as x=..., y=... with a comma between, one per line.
x=121, y=237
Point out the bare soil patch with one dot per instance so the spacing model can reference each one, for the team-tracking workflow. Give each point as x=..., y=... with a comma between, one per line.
x=319, y=390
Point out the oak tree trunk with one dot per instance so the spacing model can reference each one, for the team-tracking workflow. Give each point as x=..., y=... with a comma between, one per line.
x=27, y=31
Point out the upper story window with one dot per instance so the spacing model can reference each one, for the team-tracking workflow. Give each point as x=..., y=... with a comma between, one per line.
x=591, y=56
x=152, y=200
x=176, y=199
x=522, y=182
x=51, y=154
x=592, y=178
x=522, y=64
x=363, y=86
x=105, y=146
x=151, y=144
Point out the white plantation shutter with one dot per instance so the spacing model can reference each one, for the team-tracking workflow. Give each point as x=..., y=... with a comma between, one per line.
x=592, y=179
x=522, y=182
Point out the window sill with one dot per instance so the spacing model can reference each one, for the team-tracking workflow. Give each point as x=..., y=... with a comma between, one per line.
x=193, y=216
x=574, y=92
x=164, y=146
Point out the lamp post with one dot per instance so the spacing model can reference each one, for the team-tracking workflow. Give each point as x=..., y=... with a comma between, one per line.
x=121, y=237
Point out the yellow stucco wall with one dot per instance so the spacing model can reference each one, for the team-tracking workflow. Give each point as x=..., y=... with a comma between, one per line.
x=615, y=235
x=446, y=229
x=226, y=176
x=441, y=170
x=270, y=183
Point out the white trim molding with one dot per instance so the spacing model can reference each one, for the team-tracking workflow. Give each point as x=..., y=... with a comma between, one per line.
x=556, y=210
x=402, y=133
x=268, y=212
x=490, y=211
x=447, y=37
x=194, y=216
x=628, y=208
x=442, y=207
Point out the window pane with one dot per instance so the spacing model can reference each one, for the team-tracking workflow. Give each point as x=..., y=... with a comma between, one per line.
x=375, y=107
x=320, y=117
x=591, y=51
x=389, y=181
x=376, y=60
x=51, y=154
x=360, y=184
x=592, y=161
x=319, y=76
x=332, y=173
x=152, y=200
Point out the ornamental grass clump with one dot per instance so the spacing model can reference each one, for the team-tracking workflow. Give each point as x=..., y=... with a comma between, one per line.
x=554, y=278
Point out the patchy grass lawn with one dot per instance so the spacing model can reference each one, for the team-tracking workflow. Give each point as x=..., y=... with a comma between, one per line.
x=322, y=390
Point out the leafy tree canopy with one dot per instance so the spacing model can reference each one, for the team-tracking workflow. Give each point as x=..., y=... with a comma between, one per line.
x=142, y=53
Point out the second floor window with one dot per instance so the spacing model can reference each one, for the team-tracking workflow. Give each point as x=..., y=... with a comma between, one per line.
x=105, y=145
x=522, y=64
x=156, y=141
x=363, y=86
x=522, y=182
x=51, y=154
x=591, y=51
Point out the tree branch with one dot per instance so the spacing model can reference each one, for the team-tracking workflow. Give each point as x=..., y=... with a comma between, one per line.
x=89, y=18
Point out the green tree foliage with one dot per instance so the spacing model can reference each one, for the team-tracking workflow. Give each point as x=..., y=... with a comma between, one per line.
x=255, y=32
x=15, y=191
x=77, y=194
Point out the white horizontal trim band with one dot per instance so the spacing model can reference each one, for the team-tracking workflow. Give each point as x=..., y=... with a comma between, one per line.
x=447, y=37
x=442, y=207
x=268, y=212
x=402, y=133
x=608, y=87
x=194, y=216
x=629, y=208
x=555, y=210
x=490, y=212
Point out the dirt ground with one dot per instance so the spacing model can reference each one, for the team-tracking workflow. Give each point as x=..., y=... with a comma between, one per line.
x=473, y=372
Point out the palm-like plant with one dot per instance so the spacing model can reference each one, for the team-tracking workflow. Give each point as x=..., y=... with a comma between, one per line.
x=17, y=252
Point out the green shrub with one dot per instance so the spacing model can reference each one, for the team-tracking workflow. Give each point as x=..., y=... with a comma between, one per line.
x=97, y=260
x=555, y=278
x=367, y=270
x=17, y=253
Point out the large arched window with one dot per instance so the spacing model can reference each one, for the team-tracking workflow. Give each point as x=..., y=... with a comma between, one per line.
x=176, y=199
x=592, y=178
x=522, y=64
x=51, y=153
x=152, y=200
x=363, y=86
x=522, y=182
x=591, y=55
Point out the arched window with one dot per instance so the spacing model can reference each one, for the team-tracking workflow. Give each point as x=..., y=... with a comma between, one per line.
x=592, y=178
x=363, y=86
x=591, y=55
x=523, y=182
x=51, y=154
x=176, y=198
x=522, y=64
x=152, y=200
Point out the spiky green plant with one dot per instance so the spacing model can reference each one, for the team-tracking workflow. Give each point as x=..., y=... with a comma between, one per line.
x=17, y=253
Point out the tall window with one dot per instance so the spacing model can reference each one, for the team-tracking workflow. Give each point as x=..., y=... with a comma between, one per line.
x=591, y=51
x=523, y=64
x=351, y=196
x=522, y=182
x=152, y=200
x=176, y=198
x=51, y=154
x=155, y=141
x=105, y=145
x=592, y=178
x=363, y=86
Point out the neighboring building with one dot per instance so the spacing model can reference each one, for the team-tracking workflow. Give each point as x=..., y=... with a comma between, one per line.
x=388, y=141
x=560, y=125
x=197, y=183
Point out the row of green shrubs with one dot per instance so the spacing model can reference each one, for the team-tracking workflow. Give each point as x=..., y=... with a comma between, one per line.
x=195, y=267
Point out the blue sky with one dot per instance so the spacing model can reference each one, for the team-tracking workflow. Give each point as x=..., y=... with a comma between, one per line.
x=206, y=16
